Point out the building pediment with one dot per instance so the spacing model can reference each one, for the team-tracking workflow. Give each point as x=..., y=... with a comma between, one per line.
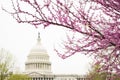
x=35, y=74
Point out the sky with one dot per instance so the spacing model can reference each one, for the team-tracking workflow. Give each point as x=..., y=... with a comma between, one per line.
x=20, y=38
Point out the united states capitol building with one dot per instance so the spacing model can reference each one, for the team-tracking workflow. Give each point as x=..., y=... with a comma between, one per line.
x=38, y=66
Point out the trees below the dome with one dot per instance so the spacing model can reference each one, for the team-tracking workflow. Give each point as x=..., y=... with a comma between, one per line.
x=6, y=64
x=19, y=77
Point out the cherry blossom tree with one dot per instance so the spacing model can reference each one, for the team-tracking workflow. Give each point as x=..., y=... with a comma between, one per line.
x=95, y=24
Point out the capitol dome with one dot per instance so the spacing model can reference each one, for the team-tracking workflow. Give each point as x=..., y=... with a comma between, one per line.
x=38, y=59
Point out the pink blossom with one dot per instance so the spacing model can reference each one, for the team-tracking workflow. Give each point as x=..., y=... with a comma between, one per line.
x=96, y=21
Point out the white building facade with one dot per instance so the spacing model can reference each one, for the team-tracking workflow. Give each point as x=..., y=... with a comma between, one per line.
x=38, y=65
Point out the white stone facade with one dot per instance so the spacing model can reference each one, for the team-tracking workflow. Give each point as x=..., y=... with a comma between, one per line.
x=38, y=66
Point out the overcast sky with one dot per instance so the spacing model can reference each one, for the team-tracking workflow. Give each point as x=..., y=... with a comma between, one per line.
x=20, y=38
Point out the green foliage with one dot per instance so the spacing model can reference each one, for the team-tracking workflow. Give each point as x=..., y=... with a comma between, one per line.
x=94, y=74
x=116, y=77
x=6, y=63
x=18, y=77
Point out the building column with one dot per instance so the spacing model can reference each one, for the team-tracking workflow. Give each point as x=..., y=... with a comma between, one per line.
x=41, y=78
